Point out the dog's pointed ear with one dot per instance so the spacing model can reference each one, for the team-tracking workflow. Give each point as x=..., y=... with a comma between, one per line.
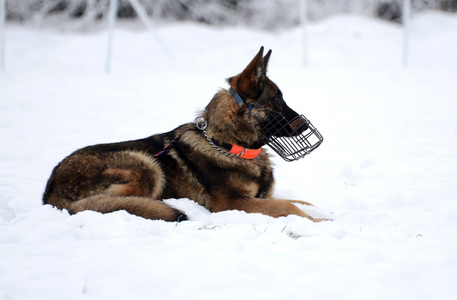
x=255, y=68
x=246, y=83
x=265, y=60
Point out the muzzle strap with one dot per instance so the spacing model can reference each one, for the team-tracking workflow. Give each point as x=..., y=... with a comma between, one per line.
x=240, y=100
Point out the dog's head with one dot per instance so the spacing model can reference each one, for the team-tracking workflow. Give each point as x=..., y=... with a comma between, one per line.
x=265, y=101
x=253, y=111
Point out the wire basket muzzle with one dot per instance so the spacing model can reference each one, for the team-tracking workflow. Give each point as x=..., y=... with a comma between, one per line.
x=293, y=139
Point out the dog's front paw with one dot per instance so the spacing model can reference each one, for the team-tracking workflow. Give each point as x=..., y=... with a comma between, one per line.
x=319, y=219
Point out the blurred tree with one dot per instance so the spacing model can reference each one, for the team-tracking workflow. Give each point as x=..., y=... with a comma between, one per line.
x=390, y=11
x=267, y=14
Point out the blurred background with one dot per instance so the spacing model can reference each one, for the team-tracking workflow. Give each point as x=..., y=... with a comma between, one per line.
x=264, y=14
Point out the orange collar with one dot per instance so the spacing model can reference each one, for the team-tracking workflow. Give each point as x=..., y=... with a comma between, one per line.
x=246, y=153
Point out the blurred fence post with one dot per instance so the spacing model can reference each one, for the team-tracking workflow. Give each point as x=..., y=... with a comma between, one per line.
x=141, y=12
x=2, y=33
x=304, y=28
x=406, y=30
x=111, y=21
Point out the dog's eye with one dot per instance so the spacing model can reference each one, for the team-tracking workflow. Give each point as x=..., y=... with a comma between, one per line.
x=278, y=99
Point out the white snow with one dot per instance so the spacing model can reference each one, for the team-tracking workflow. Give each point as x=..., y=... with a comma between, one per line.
x=386, y=173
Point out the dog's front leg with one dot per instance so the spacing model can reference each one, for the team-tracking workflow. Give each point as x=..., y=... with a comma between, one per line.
x=274, y=208
x=309, y=204
x=301, y=202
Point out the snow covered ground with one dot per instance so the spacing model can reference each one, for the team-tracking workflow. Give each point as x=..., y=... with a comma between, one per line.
x=386, y=173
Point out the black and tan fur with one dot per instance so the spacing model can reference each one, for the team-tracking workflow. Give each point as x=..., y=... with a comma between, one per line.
x=128, y=176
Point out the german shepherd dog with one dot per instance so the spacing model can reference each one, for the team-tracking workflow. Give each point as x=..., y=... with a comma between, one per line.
x=217, y=161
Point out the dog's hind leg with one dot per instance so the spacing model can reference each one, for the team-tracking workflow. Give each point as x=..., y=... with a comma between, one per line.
x=106, y=182
x=141, y=206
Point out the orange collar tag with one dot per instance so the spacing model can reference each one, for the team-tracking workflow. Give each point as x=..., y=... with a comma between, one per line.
x=248, y=154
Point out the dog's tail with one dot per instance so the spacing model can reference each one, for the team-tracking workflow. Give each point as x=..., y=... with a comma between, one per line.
x=141, y=206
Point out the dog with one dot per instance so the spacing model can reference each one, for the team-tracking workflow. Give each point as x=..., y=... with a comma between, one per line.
x=218, y=161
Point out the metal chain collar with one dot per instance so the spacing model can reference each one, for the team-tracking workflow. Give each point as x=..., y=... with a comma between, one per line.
x=201, y=124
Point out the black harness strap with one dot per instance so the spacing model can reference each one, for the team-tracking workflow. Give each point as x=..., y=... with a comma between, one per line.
x=167, y=148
